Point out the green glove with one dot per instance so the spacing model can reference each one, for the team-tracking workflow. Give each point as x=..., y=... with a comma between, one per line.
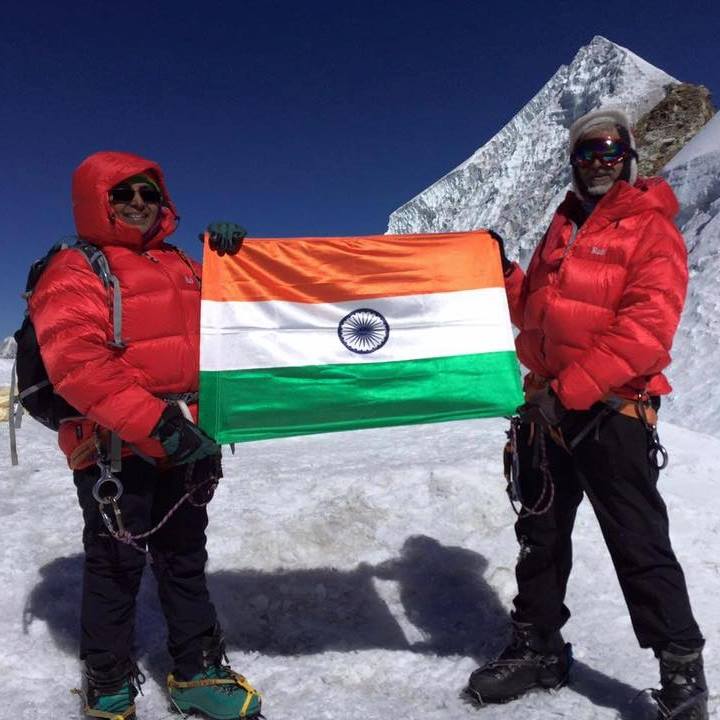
x=224, y=237
x=182, y=440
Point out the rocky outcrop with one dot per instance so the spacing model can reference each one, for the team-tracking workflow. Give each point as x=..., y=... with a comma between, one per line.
x=671, y=124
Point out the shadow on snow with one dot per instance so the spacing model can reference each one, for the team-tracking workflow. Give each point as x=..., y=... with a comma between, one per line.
x=431, y=599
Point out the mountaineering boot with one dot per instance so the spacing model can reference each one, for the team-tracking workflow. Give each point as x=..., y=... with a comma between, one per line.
x=531, y=660
x=684, y=693
x=111, y=687
x=217, y=692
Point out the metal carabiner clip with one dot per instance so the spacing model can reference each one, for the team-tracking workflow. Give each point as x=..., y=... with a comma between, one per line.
x=106, y=476
x=656, y=449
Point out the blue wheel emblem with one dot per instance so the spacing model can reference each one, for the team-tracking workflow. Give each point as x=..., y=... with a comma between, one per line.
x=363, y=331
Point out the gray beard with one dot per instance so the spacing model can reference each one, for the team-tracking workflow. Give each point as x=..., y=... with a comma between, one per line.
x=599, y=188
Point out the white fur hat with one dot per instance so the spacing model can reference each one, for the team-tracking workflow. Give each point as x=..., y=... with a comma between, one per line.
x=612, y=117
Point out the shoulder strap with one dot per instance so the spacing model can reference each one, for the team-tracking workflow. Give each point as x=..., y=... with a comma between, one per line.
x=186, y=260
x=98, y=262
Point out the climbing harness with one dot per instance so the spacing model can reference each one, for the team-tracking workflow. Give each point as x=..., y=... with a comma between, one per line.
x=108, y=490
x=657, y=454
x=117, y=529
x=640, y=408
x=511, y=464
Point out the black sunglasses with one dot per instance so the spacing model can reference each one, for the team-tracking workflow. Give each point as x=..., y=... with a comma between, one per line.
x=125, y=194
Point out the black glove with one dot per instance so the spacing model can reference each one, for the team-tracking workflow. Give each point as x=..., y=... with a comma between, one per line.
x=507, y=265
x=224, y=237
x=543, y=409
x=182, y=440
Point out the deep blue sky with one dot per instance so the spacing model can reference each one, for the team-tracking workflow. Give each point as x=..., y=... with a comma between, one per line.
x=292, y=117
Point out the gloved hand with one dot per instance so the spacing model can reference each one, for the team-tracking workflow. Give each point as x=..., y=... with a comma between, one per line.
x=543, y=409
x=507, y=265
x=224, y=237
x=182, y=440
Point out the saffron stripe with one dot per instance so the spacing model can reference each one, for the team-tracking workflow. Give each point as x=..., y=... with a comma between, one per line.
x=330, y=270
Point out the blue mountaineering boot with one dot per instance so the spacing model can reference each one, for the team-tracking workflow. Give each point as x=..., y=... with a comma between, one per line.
x=684, y=691
x=216, y=692
x=111, y=687
x=531, y=660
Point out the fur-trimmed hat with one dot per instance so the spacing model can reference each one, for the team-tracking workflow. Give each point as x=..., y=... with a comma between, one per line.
x=606, y=117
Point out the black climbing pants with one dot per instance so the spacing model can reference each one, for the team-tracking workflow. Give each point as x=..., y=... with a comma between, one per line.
x=113, y=570
x=610, y=465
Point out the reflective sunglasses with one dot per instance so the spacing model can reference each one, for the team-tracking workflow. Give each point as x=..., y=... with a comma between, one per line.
x=125, y=194
x=608, y=151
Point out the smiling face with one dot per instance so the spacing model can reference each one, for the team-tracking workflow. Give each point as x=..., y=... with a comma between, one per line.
x=599, y=178
x=140, y=209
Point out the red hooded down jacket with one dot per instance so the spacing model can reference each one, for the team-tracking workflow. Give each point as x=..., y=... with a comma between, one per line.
x=70, y=309
x=597, y=310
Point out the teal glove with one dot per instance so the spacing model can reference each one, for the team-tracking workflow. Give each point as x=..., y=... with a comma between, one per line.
x=182, y=440
x=224, y=237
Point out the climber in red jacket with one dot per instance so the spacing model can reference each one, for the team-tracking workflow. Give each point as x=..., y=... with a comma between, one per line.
x=137, y=402
x=597, y=311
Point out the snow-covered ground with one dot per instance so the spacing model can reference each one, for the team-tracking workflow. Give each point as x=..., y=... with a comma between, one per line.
x=357, y=575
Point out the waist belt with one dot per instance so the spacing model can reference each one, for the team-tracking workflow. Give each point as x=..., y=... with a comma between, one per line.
x=187, y=397
x=639, y=410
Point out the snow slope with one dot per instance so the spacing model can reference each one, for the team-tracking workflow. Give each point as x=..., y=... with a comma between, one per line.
x=358, y=575
x=694, y=174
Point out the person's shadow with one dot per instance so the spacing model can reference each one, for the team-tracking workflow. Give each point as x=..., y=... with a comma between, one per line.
x=431, y=599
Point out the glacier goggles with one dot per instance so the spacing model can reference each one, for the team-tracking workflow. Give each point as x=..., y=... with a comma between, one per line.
x=608, y=151
x=124, y=193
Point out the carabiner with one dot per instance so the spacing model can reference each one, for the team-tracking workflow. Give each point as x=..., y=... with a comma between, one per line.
x=657, y=449
x=106, y=476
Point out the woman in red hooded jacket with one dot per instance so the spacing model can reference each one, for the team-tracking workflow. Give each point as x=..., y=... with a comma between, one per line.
x=597, y=311
x=130, y=390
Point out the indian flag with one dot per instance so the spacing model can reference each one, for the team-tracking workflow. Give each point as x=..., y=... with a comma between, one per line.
x=312, y=335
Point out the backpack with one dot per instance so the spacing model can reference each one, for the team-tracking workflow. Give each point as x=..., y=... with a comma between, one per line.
x=34, y=390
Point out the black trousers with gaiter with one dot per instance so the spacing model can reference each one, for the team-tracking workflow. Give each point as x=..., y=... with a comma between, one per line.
x=113, y=570
x=610, y=465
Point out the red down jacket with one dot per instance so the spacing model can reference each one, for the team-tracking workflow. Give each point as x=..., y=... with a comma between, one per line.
x=70, y=309
x=597, y=310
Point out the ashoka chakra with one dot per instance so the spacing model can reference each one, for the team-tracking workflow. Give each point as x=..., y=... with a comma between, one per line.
x=363, y=331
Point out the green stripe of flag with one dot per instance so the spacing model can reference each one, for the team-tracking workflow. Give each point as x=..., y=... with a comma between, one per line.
x=244, y=405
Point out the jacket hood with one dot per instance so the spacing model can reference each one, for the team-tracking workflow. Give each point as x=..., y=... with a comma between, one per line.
x=95, y=219
x=624, y=200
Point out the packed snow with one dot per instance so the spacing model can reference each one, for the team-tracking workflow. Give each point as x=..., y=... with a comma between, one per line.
x=707, y=141
x=357, y=575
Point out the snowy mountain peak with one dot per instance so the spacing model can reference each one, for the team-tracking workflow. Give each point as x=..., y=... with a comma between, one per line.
x=512, y=181
x=515, y=181
x=7, y=347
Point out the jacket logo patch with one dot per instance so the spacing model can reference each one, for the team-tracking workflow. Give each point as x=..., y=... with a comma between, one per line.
x=598, y=250
x=189, y=280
